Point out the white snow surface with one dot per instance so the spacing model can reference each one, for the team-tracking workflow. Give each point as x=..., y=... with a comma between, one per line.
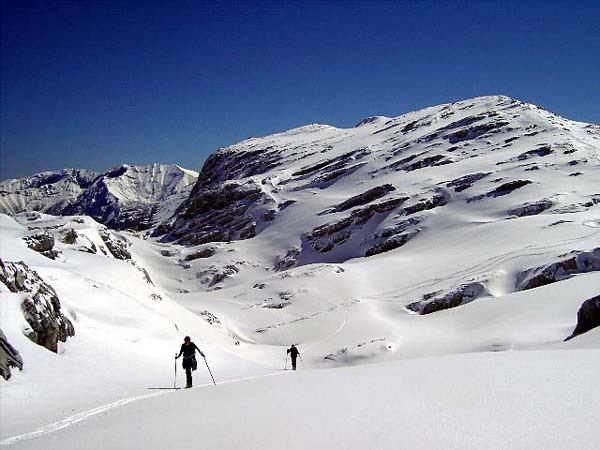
x=492, y=373
x=127, y=186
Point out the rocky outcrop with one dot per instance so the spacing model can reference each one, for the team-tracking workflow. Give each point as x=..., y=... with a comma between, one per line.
x=431, y=201
x=366, y=197
x=41, y=306
x=229, y=165
x=408, y=164
x=325, y=237
x=333, y=164
x=465, y=182
x=578, y=262
x=328, y=177
x=392, y=243
x=220, y=214
x=503, y=189
x=210, y=318
x=116, y=247
x=81, y=242
x=227, y=272
x=507, y=188
x=532, y=209
x=429, y=161
x=437, y=301
x=542, y=151
x=9, y=357
x=588, y=317
x=398, y=227
x=476, y=131
x=288, y=260
x=203, y=253
x=42, y=242
x=363, y=215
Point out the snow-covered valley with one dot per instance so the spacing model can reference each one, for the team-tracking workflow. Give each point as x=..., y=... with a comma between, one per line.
x=429, y=267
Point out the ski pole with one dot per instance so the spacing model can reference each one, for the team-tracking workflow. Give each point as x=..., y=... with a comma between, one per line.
x=175, y=379
x=301, y=360
x=211, y=375
x=285, y=367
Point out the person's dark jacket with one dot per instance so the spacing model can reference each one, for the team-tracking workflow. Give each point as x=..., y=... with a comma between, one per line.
x=293, y=352
x=189, y=350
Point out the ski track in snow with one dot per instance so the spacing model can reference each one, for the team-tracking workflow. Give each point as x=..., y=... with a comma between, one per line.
x=477, y=269
x=76, y=418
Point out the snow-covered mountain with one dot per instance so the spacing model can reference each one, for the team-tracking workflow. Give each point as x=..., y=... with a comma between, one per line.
x=46, y=191
x=442, y=267
x=322, y=194
x=126, y=197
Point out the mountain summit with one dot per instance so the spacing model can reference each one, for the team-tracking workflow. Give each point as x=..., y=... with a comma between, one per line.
x=324, y=194
x=134, y=197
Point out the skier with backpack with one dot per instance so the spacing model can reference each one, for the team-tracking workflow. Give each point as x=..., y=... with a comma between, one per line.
x=188, y=349
x=293, y=352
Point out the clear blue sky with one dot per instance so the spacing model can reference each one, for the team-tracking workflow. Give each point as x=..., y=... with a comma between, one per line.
x=95, y=84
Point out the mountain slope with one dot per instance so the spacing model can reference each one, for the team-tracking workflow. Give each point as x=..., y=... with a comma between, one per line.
x=470, y=228
x=46, y=191
x=322, y=194
x=386, y=176
x=136, y=197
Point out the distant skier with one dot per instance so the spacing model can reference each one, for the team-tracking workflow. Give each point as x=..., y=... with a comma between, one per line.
x=293, y=352
x=188, y=349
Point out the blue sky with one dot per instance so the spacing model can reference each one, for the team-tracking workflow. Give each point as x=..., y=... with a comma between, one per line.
x=96, y=84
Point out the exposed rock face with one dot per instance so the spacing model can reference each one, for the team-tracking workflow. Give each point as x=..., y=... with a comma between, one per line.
x=437, y=301
x=210, y=318
x=333, y=233
x=507, y=188
x=227, y=272
x=503, y=189
x=544, y=150
x=409, y=164
x=326, y=237
x=476, y=131
x=365, y=197
x=42, y=242
x=69, y=236
x=465, y=182
x=99, y=203
x=391, y=243
x=9, y=357
x=399, y=227
x=579, y=262
x=117, y=247
x=220, y=214
x=80, y=241
x=206, y=252
x=288, y=260
x=588, y=317
x=532, y=209
x=328, y=166
x=41, y=306
x=223, y=166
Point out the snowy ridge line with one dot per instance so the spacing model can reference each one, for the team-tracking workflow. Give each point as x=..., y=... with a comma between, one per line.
x=71, y=420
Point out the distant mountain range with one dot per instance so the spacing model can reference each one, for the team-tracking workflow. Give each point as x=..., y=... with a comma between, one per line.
x=126, y=197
